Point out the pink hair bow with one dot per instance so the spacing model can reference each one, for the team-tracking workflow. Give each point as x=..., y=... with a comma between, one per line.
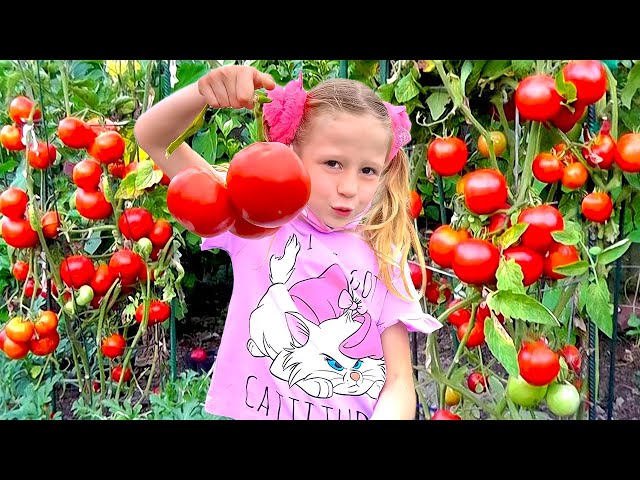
x=284, y=114
x=401, y=126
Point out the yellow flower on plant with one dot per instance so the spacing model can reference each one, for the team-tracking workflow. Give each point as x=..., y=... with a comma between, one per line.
x=119, y=67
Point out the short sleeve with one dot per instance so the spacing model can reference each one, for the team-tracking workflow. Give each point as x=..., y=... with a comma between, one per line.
x=225, y=241
x=410, y=313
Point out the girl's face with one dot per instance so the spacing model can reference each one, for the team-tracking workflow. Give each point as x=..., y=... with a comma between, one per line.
x=344, y=155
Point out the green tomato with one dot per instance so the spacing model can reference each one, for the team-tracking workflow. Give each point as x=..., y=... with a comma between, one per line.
x=563, y=399
x=523, y=393
x=84, y=295
x=69, y=308
x=145, y=247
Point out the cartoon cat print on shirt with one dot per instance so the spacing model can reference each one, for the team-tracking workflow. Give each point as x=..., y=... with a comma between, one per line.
x=318, y=333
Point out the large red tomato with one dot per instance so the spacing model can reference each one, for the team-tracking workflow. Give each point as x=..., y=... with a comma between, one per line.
x=126, y=264
x=108, y=147
x=20, y=109
x=476, y=336
x=92, y=205
x=565, y=119
x=442, y=243
x=447, y=156
x=589, y=77
x=627, y=154
x=135, y=223
x=415, y=204
x=268, y=184
x=11, y=138
x=160, y=233
x=86, y=174
x=485, y=191
x=531, y=262
x=547, y=167
x=77, y=270
x=537, y=98
x=243, y=229
x=113, y=346
x=539, y=365
x=200, y=202
x=102, y=279
x=75, y=133
x=542, y=220
x=475, y=261
x=13, y=203
x=601, y=151
x=18, y=233
x=50, y=222
x=444, y=414
x=417, y=274
x=597, y=207
x=42, y=157
x=559, y=255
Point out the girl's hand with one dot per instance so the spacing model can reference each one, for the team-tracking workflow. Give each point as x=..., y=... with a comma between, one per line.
x=233, y=86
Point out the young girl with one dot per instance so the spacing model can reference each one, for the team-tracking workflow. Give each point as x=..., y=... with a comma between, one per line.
x=318, y=318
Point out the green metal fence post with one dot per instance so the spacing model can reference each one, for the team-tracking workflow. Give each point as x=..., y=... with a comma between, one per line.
x=344, y=69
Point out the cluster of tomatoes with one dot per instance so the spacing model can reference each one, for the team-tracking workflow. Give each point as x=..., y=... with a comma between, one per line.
x=21, y=335
x=266, y=186
x=86, y=283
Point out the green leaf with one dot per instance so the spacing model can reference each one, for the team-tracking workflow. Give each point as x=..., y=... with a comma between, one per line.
x=146, y=176
x=206, y=144
x=550, y=300
x=35, y=370
x=407, y=88
x=634, y=236
x=573, y=269
x=385, y=92
x=568, y=236
x=615, y=251
x=511, y=235
x=437, y=102
x=632, y=85
x=522, y=68
x=127, y=188
x=87, y=96
x=189, y=73
x=583, y=295
x=8, y=166
x=566, y=89
x=472, y=81
x=595, y=251
x=599, y=308
x=501, y=345
x=495, y=68
x=456, y=91
x=510, y=276
x=467, y=68
x=519, y=305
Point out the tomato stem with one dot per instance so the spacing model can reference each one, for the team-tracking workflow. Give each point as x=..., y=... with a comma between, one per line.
x=526, y=174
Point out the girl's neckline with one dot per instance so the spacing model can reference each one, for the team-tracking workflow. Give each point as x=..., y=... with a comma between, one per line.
x=312, y=219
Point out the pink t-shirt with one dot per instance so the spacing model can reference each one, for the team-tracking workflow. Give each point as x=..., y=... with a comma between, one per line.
x=302, y=334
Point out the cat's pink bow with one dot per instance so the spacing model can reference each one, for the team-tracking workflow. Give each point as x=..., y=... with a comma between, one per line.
x=348, y=302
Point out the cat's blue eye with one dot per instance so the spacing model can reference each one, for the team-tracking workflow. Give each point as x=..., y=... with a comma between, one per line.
x=358, y=364
x=334, y=364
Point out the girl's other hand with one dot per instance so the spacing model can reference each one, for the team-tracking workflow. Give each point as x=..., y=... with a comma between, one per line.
x=233, y=86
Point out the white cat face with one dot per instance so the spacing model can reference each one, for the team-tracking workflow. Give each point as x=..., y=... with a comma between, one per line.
x=320, y=357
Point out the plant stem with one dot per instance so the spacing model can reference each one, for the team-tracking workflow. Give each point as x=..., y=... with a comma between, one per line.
x=65, y=87
x=527, y=171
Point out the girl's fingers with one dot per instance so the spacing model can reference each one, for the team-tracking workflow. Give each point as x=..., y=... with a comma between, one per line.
x=219, y=87
x=245, y=88
x=263, y=80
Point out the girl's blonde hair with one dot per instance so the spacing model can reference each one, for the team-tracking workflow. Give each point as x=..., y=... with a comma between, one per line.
x=387, y=227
